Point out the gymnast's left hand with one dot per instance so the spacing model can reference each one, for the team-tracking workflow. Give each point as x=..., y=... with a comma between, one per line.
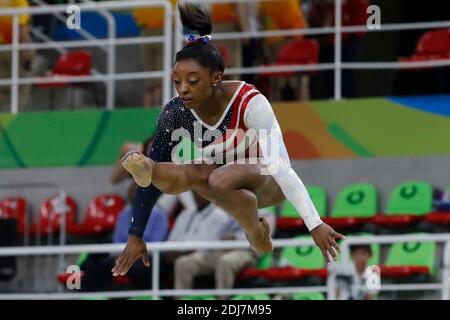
x=325, y=238
x=135, y=249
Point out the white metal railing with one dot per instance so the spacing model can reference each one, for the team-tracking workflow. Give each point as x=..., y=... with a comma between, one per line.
x=156, y=248
x=110, y=77
x=111, y=42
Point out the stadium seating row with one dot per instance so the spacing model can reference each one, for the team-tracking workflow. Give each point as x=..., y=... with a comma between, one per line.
x=100, y=216
x=404, y=260
x=357, y=205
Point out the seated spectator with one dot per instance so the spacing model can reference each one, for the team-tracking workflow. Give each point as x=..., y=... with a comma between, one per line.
x=210, y=223
x=441, y=200
x=97, y=268
x=356, y=273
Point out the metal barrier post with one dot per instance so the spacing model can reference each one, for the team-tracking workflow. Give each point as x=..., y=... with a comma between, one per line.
x=15, y=66
x=338, y=50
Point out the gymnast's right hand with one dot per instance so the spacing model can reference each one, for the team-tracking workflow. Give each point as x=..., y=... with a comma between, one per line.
x=135, y=249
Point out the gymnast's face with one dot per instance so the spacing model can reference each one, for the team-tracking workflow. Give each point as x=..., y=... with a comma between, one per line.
x=194, y=83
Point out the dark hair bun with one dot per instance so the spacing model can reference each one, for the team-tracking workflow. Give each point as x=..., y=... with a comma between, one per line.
x=195, y=18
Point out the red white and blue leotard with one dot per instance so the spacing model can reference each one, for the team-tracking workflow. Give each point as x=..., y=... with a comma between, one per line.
x=247, y=111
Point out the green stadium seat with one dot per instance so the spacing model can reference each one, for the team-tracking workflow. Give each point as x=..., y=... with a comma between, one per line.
x=265, y=261
x=295, y=263
x=407, y=259
x=408, y=203
x=355, y=204
x=305, y=257
x=290, y=218
x=413, y=197
x=308, y=296
x=319, y=198
x=256, y=296
x=356, y=200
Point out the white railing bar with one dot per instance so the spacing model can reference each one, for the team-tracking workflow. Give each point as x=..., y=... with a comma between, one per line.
x=214, y=292
x=159, y=293
x=111, y=59
x=220, y=1
x=278, y=68
x=160, y=246
x=438, y=237
x=84, y=43
x=227, y=292
x=344, y=65
x=249, y=70
x=160, y=39
x=405, y=287
x=446, y=273
x=395, y=65
x=197, y=245
x=155, y=273
x=179, y=41
x=221, y=36
x=400, y=26
x=90, y=6
x=92, y=78
x=328, y=30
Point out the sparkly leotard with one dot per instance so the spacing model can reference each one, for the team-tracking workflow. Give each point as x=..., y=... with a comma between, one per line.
x=248, y=112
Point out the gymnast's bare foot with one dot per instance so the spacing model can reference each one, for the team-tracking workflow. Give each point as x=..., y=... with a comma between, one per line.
x=139, y=166
x=262, y=245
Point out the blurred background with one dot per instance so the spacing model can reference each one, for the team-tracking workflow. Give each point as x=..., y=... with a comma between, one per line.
x=361, y=89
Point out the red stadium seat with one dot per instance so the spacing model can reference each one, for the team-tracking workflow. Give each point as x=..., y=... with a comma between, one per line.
x=395, y=221
x=282, y=273
x=101, y=215
x=72, y=63
x=290, y=223
x=440, y=218
x=303, y=51
x=399, y=272
x=14, y=208
x=432, y=45
x=49, y=220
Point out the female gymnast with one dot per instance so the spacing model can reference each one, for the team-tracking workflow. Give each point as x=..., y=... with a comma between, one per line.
x=221, y=118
